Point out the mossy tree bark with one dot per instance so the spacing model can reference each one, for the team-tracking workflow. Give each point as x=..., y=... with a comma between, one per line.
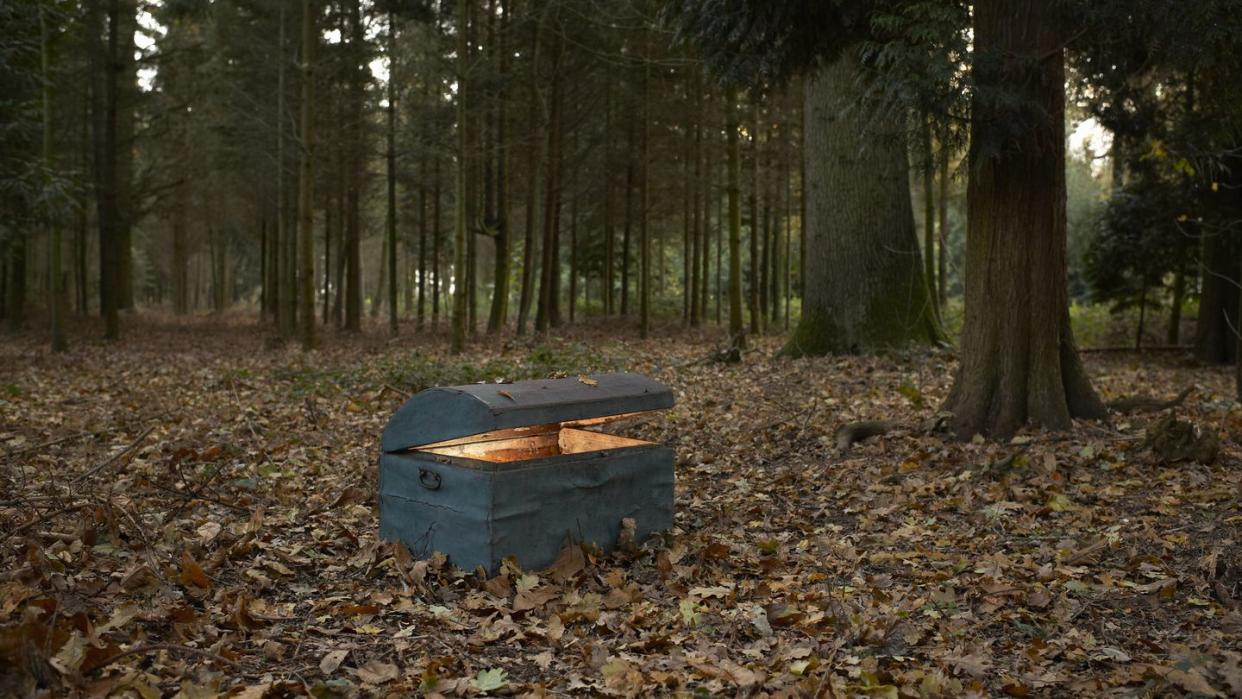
x=864, y=286
x=1018, y=359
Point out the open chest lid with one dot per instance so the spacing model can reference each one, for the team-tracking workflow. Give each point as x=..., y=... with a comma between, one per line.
x=442, y=414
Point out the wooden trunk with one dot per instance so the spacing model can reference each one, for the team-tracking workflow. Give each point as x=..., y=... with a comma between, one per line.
x=481, y=473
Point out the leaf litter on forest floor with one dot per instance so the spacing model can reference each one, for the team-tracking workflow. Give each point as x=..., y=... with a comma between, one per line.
x=228, y=546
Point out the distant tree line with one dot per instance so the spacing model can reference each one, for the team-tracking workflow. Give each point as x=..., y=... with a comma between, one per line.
x=522, y=163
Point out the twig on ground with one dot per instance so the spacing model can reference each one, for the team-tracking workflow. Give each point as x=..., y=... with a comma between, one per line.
x=1086, y=552
x=49, y=443
x=115, y=457
x=394, y=389
x=62, y=511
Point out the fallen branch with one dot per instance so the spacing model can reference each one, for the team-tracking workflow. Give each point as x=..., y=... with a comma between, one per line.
x=115, y=457
x=404, y=395
x=49, y=443
x=151, y=647
x=41, y=520
x=1147, y=404
x=1086, y=552
x=851, y=433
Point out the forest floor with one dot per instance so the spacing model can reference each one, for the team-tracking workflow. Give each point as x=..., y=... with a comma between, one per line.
x=193, y=510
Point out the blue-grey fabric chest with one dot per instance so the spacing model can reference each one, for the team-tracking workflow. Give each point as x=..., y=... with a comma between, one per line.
x=488, y=471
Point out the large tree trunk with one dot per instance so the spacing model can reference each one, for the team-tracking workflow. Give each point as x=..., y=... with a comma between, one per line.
x=864, y=288
x=1218, y=302
x=1018, y=359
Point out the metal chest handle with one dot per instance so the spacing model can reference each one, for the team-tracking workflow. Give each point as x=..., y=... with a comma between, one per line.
x=429, y=479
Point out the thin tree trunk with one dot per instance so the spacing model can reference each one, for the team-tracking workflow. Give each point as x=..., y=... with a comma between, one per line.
x=285, y=319
x=460, y=232
x=328, y=222
x=1175, y=310
x=929, y=210
x=80, y=235
x=57, y=303
x=766, y=253
x=721, y=223
x=435, y=248
x=527, y=293
x=942, y=211
x=499, y=314
x=381, y=283
x=353, y=173
x=696, y=235
x=687, y=224
x=609, y=276
x=644, y=327
x=547, y=314
x=474, y=176
x=753, y=276
x=306, y=181
x=422, y=243
x=705, y=186
x=342, y=239
x=573, y=254
x=109, y=236
x=787, y=270
x=180, y=252
x=392, y=173
x=737, y=332
x=1018, y=359
x=629, y=214
x=124, y=183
